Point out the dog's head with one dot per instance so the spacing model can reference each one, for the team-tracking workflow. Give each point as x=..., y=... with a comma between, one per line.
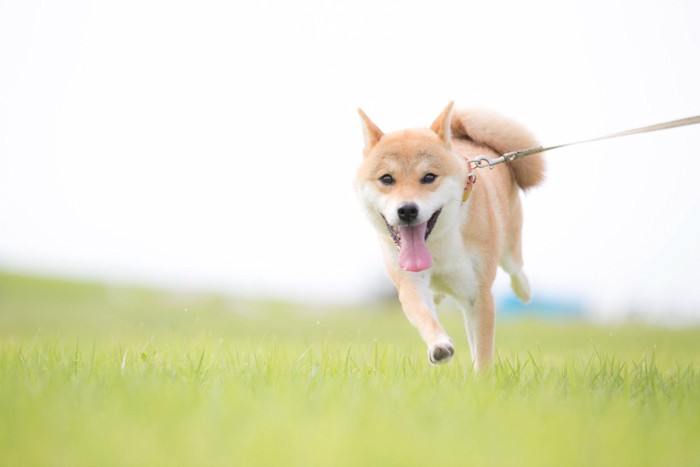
x=410, y=182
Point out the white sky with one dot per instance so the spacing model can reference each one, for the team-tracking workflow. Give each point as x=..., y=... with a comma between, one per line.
x=213, y=144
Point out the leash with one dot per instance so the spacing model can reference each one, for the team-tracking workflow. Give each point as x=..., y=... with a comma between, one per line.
x=483, y=161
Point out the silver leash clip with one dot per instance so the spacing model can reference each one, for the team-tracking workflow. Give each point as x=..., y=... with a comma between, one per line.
x=482, y=161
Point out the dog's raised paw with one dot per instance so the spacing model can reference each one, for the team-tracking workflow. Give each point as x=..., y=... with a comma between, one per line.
x=441, y=352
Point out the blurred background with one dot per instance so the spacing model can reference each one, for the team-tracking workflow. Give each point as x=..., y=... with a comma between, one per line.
x=212, y=145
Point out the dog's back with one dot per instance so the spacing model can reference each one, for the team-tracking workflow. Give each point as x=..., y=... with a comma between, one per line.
x=496, y=215
x=502, y=135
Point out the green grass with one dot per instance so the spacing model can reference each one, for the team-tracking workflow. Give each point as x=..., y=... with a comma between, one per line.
x=94, y=375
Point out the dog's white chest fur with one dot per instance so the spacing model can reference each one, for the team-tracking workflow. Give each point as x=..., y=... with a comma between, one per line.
x=454, y=271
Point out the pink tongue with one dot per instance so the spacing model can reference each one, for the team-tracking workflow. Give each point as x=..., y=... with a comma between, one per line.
x=413, y=254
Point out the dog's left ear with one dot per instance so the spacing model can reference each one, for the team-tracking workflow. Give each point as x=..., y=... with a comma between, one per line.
x=371, y=132
x=441, y=125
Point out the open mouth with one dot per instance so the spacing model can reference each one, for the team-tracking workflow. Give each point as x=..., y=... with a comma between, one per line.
x=396, y=233
x=410, y=240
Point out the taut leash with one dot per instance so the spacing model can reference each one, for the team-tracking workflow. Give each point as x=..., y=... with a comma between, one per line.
x=483, y=161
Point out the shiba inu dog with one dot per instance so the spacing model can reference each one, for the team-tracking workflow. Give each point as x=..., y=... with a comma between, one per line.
x=441, y=233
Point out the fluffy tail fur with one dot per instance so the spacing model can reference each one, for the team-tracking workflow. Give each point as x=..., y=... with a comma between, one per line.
x=502, y=135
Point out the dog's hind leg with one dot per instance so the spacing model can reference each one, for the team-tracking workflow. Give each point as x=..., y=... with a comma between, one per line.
x=512, y=257
x=518, y=279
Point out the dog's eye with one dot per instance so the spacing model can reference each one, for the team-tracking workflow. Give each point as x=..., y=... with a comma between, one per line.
x=386, y=179
x=428, y=178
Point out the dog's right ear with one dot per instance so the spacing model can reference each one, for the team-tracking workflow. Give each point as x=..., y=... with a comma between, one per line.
x=372, y=133
x=441, y=125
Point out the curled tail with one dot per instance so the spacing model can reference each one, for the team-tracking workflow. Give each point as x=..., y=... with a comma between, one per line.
x=502, y=135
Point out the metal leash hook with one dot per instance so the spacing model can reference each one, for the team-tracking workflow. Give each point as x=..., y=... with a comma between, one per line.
x=483, y=161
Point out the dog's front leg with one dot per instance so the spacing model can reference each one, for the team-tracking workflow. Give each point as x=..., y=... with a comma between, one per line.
x=417, y=302
x=480, y=322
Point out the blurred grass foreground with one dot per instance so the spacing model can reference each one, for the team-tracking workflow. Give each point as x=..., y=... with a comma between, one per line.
x=98, y=375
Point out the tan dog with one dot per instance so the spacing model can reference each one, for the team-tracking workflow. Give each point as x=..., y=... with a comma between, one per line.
x=412, y=183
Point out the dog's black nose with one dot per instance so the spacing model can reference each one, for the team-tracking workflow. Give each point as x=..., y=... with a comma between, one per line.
x=408, y=212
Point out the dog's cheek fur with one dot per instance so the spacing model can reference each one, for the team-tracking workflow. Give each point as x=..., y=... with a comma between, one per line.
x=373, y=202
x=377, y=203
x=448, y=198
